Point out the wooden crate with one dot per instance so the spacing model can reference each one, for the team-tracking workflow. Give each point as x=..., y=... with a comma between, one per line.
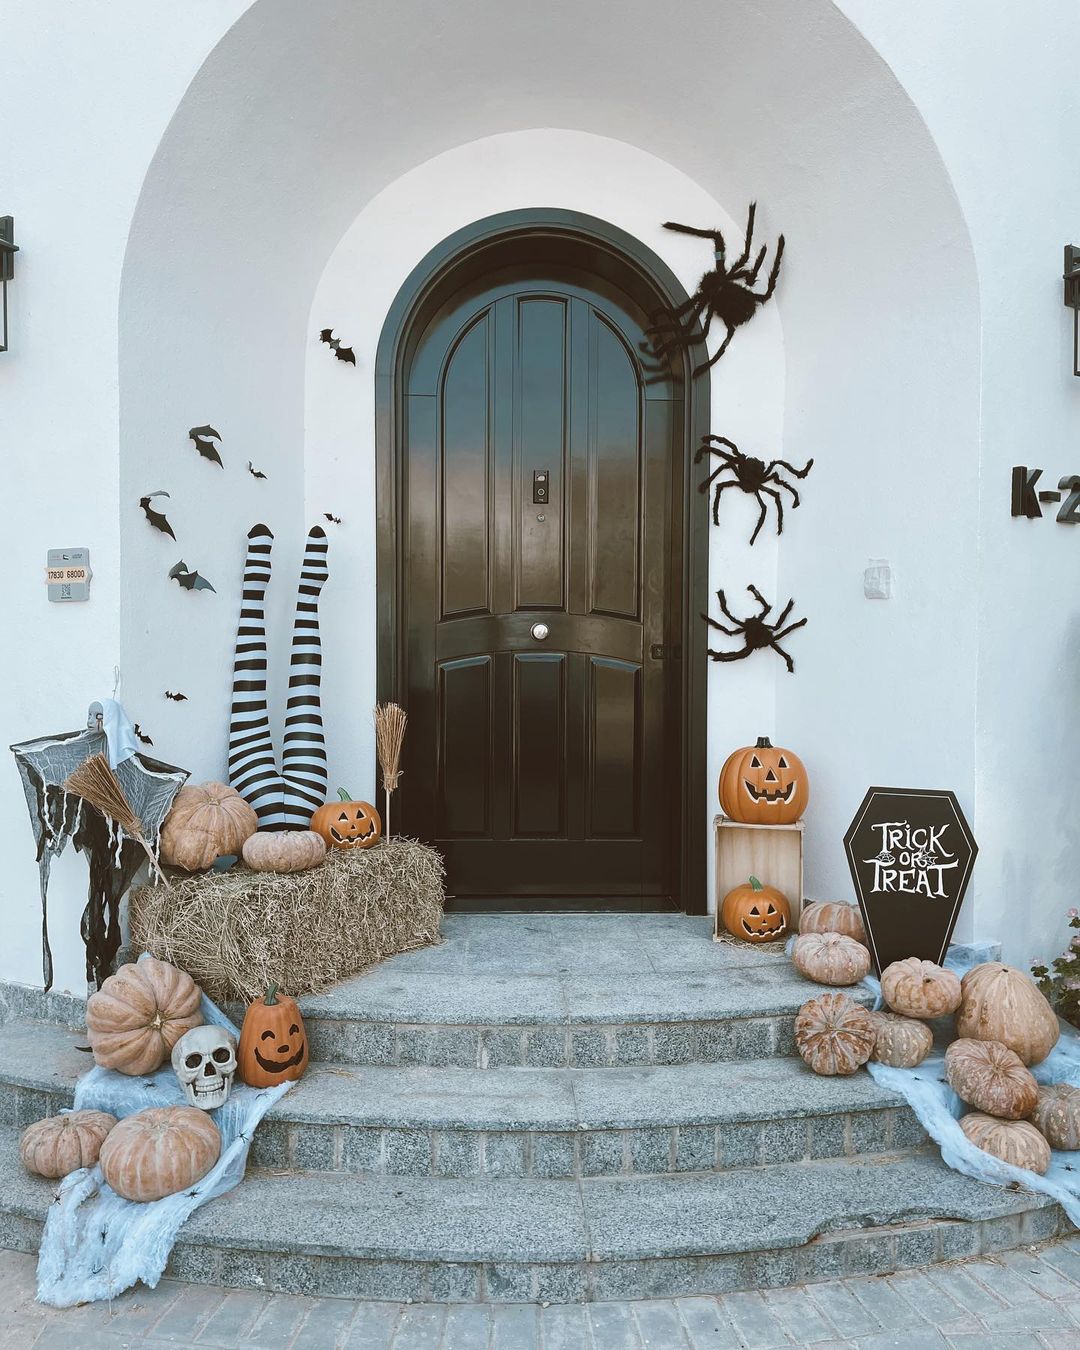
x=772, y=853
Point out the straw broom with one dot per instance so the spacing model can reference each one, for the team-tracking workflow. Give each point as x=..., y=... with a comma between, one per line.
x=389, y=734
x=96, y=783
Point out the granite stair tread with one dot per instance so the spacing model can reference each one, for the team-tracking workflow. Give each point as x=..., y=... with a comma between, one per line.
x=44, y=1058
x=427, y=1219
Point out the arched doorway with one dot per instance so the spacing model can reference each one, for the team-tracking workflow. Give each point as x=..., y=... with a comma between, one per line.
x=541, y=565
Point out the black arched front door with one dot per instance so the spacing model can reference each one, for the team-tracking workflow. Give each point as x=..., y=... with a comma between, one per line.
x=541, y=514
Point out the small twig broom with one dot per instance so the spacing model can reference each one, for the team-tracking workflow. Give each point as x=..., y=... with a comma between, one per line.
x=389, y=734
x=96, y=783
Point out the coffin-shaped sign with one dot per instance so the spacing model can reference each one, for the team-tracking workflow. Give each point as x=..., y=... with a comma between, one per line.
x=911, y=853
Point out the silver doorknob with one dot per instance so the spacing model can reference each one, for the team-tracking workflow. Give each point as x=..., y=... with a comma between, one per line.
x=539, y=631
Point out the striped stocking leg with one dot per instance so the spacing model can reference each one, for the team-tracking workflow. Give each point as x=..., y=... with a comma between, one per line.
x=253, y=768
x=303, y=758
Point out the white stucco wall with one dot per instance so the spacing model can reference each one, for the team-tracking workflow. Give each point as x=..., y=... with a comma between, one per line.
x=306, y=158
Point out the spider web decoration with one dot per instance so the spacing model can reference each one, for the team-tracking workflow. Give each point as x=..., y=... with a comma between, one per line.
x=59, y=817
x=756, y=632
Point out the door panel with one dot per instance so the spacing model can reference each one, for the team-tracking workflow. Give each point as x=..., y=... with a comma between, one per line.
x=537, y=762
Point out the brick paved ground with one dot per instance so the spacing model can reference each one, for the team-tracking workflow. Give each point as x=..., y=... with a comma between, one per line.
x=1028, y=1298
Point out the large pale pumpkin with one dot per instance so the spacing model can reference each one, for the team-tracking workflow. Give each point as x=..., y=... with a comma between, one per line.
x=138, y=1015
x=60, y=1144
x=284, y=851
x=915, y=988
x=1057, y=1115
x=900, y=1042
x=1013, y=1141
x=830, y=958
x=1000, y=1003
x=989, y=1077
x=834, y=1035
x=833, y=916
x=207, y=821
x=159, y=1151
x=764, y=784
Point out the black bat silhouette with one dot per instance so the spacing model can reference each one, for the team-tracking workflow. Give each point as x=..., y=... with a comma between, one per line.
x=342, y=353
x=155, y=517
x=205, y=448
x=191, y=581
x=142, y=735
x=334, y=520
x=176, y=698
x=254, y=472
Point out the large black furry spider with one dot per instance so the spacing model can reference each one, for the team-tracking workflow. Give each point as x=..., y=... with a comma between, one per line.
x=755, y=632
x=752, y=475
x=725, y=293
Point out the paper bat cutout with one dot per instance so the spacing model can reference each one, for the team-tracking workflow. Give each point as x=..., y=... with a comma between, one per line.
x=204, y=446
x=191, y=581
x=155, y=517
x=334, y=520
x=342, y=353
x=176, y=698
x=254, y=472
x=142, y=734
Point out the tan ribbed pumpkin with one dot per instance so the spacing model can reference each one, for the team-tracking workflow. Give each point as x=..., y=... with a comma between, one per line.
x=1013, y=1141
x=900, y=1042
x=833, y=916
x=207, y=821
x=915, y=988
x=284, y=851
x=989, y=1077
x=138, y=1015
x=1001, y=1003
x=1057, y=1115
x=834, y=1034
x=159, y=1151
x=830, y=958
x=60, y=1144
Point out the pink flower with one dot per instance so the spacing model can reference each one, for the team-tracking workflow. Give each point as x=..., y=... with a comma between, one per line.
x=1074, y=914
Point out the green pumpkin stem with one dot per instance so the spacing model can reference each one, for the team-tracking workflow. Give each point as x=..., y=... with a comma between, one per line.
x=271, y=996
x=757, y=886
x=345, y=796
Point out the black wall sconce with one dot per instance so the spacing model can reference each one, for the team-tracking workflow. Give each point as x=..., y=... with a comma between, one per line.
x=8, y=249
x=1072, y=297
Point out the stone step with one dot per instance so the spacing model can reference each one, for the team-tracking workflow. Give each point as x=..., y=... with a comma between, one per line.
x=444, y=1239
x=523, y=1122
x=593, y=991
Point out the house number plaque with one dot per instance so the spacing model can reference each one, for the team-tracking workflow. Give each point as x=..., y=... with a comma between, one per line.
x=911, y=854
x=68, y=574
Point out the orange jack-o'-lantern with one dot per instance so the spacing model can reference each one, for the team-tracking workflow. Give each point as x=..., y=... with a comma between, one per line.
x=273, y=1043
x=348, y=824
x=756, y=913
x=764, y=785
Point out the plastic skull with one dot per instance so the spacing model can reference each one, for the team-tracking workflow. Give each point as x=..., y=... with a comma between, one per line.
x=204, y=1060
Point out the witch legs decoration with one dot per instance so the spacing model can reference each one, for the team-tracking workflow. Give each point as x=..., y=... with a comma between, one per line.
x=282, y=800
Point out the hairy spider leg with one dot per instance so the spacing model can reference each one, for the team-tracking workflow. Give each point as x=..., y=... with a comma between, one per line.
x=698, y=370
x=720, y=440
x=774, y=273
x=728, y=656
x=741, y=262
x=731, y=632
x=719, y=489
x=769, y=492
x=789, y=629
x=680, y=320
x=783, y=464
x=765, y=606
x=775, y=643
x=722, y=598
x=752, y=275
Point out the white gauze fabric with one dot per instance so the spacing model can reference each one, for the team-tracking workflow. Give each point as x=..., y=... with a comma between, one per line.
x=97, y=1244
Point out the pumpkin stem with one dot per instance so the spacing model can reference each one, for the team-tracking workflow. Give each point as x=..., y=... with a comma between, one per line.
x=271, y=996
x=763, y=743
x=757, y=886
x=345, y=796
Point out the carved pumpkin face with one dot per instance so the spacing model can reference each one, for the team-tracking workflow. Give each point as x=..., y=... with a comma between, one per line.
x=756, y=913
x=764, y=784
x=273, y=1043
x=348, y=824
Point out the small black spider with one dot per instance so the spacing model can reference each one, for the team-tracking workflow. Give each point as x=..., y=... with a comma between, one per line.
x=755, y=632
x=725, y=293
x=752, y=475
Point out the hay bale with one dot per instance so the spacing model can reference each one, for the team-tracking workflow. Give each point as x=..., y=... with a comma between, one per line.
x=236, y=931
